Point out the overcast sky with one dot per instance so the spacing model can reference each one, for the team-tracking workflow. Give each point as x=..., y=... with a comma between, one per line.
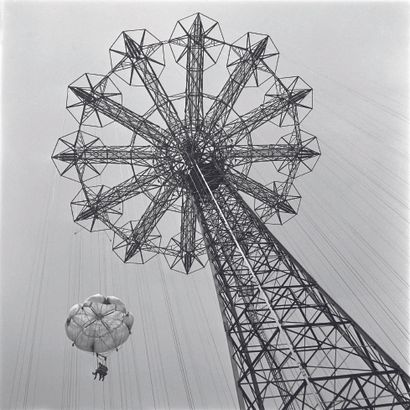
x=351, y=233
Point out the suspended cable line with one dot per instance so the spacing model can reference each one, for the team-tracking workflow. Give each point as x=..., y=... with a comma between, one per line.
x=219, y=361
x=177, y=344
x=370, y=204
x=354, y=233
x=291, y=344
x=143, y=321
x=364, y=97
x=350, y=288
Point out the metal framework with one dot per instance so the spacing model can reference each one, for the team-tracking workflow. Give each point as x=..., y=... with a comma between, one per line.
x=292, y=346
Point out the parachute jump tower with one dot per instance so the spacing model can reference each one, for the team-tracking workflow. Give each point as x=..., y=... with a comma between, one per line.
x=292, y=346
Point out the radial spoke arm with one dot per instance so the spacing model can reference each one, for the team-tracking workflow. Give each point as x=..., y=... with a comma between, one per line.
x=249, y=186
x=141, y=126
x=103, y=201
x=247, y=154
x=161, y=202
x=267, y=111
x=120, y=154
x=188, y=231
x=195, y=49
x=224, y=102
x=144, y=69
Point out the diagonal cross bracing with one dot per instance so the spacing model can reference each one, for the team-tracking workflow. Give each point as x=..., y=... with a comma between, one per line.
x=122, y=192
x=223, y=104
x=143, y=68
x=328, y=349
x=245, y=154
x=120, y=154
x=292, y=347
x=146, y=129
x=267, y=111
x=195, y=49
x=162, y=200
x=275, y=200
x=188, y=231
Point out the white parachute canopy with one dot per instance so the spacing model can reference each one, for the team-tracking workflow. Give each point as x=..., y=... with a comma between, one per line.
x=99, y=325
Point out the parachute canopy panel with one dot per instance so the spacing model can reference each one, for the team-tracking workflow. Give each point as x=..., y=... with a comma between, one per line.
x=100, y=324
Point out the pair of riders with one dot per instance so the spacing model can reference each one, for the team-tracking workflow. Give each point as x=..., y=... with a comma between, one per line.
x=101, y=371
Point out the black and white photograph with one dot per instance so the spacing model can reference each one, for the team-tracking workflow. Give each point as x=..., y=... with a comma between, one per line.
x=204, y=205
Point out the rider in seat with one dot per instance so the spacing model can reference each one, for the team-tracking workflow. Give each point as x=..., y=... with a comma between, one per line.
x=101, y=371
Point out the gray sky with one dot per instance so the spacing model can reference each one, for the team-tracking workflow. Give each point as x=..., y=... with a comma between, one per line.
x=351, y=233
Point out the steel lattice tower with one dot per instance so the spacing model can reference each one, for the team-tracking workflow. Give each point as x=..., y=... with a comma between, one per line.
x=292, y=346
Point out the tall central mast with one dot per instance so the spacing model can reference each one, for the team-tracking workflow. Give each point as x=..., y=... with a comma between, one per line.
x=292, y=346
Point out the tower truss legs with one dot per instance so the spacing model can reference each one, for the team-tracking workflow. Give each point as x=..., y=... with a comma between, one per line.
x=293, y=347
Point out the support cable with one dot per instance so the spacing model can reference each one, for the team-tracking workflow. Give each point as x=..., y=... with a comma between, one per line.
x=147, y=356
x=401, y=288
x=155, y=343
x=359, y=299
x=177, y=343
x=219, y=358
x=37, y=297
